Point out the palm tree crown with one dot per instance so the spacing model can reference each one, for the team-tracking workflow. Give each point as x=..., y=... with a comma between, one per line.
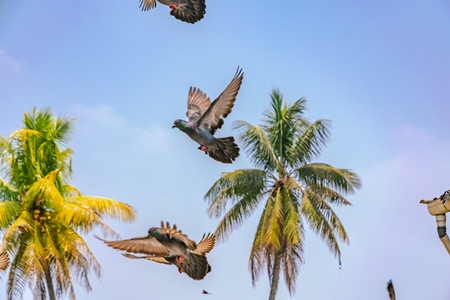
x=294, y=189
x=42, y=216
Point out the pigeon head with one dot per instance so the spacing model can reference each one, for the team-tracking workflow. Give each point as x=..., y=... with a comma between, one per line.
x=151, y=231
x=177, y=123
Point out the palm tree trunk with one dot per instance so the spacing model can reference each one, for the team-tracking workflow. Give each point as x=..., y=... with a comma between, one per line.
x=275, y=277
x=50, y=288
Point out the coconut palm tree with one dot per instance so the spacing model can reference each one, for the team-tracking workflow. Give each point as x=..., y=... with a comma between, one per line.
x=293, y=189
x=42, y=217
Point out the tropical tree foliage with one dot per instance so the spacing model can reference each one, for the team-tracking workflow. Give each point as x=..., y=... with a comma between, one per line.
x=294, y=190
x=42, y=216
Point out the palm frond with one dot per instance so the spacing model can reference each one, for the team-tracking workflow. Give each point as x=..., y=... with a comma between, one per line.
x=257, y=145
x=317, y=174
x=323, y=221
x=9, y=211
x=310, y=142
x=83, y=218
x=291, y=259
x=282, y=125
x=234, y=185
x=44, y=193
x=236, y=216
x=106, y=207
x=8, y=191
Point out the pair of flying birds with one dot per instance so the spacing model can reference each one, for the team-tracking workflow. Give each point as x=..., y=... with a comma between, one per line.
x=166, y=244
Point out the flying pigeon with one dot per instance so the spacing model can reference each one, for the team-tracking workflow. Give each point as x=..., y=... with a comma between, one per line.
x=4, y=261
x=189, y=11
x=206, y=293
x=170, y=246
x=206, y=117
x=391, y=291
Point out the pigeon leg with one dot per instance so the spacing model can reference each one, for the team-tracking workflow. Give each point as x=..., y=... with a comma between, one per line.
x=203, y=148
x=180, y=270
x=173, y=6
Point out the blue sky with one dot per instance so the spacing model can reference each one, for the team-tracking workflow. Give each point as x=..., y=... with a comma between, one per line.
x=379, y=71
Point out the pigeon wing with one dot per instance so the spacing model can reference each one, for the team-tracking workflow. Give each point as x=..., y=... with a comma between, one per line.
x=157, y=259
x=206, y=244
x=212, y=119
x=4, y=261
x=197, y=103
x=178, y=235
x=147, y=4
x=144, y=245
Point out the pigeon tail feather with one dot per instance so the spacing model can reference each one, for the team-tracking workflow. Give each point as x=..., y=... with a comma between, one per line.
x=224, y=150
x=196, y=266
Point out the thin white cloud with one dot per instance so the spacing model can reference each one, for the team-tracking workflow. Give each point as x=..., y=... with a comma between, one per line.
x=8, y=63
x=103, y=122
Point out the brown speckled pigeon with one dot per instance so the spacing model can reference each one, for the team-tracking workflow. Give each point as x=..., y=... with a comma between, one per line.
x=206, y=117
x=168, y=245
x=189, y=11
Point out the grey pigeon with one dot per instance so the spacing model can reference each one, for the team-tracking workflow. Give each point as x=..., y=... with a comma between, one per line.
x=168, y=245
x=206, y=117
x=189, y=11
x=4, y=261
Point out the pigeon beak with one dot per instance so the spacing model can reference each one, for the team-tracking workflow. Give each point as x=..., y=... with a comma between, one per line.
x=173, y=126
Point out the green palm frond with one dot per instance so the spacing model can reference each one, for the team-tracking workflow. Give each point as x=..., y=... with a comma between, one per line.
x=7, y=191
x=283, y=124
x=9, y=211
x=316, y=174
x=291, y=216
x=257, y=145
x=233, y=185
x=311, y=142
x=323, y=221
x=236, y=216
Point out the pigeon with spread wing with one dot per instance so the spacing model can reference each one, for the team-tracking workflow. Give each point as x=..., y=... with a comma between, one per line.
x=206, y=117
x=168, y=245
x=189, y=11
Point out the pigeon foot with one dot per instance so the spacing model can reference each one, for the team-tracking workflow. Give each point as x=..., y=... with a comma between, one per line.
x=180, y=259
x=203, y=148
x=173, y=6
